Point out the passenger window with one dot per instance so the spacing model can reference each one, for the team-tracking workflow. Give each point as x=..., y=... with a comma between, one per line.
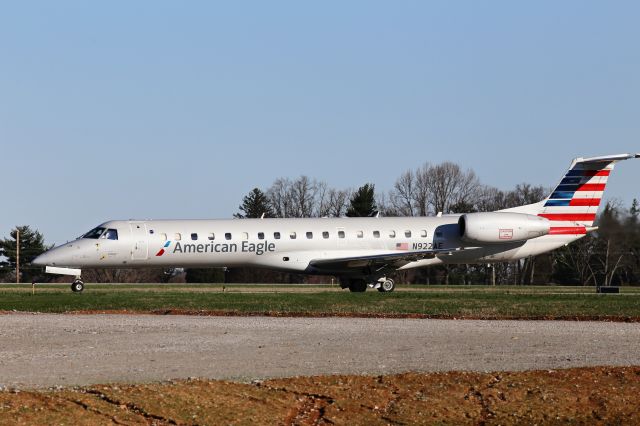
x=325, y=235
x=423, y=233
x=261, y=235
x=212, y=236
x=245, y=235
x=392, y=234
x=177, y=236
x=376, y=234
x=292, y=235
x=340, y=234
x=360, y=234
x=227, y=235
x=309, y=235
x=194, y=236
x=407, y=234
x=164, y=237
x=276, y=235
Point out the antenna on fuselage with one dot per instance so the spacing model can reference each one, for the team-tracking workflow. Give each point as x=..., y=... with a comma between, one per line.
x=262, y=217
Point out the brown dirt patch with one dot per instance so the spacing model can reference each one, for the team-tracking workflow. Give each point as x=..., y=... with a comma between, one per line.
x=601, y=395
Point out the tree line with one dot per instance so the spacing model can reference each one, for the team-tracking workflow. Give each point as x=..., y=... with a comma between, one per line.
x=610, y=255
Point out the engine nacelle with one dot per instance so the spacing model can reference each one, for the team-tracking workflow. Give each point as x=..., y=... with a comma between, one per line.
x=499, y=227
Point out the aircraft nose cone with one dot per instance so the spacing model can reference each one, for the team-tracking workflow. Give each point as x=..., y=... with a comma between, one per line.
x=42, y=260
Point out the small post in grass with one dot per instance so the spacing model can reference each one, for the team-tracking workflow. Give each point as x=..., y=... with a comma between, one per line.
x=17, y=255
x=33, y=287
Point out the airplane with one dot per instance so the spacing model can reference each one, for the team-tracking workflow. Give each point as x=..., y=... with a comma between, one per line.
x=361, y=252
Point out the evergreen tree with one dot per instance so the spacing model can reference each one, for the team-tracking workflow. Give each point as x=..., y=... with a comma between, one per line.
x=635, y=209
x=31, y=246
x=254, y=205
x=363, y=203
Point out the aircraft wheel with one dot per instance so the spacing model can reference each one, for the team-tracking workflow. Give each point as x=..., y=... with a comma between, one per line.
x=358, y=286
x=387, y=286
x=77, y=286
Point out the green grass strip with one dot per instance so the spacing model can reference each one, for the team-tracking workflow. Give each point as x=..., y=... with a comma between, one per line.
x=475, y=303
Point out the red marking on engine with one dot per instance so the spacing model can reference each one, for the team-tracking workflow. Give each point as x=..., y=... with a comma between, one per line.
x=505, y=234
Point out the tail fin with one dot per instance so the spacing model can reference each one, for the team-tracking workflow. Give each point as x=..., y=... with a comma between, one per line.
x=572, y=206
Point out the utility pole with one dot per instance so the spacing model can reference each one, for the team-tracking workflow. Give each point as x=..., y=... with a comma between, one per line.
x=493, y=274
x=17, y=255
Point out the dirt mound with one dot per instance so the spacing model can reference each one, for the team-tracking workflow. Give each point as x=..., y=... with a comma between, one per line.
x=576, y=396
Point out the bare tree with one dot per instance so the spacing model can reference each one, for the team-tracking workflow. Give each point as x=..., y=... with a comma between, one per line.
x=613, y=244
x=422, y=193
x=523, y=194
x=280, y=197
x=402, y=196
x=303, y=196
x=385, y=206
x=338, y=200
x=321, y=207
x=575, y=260
x=306, y=197
x=449, y=184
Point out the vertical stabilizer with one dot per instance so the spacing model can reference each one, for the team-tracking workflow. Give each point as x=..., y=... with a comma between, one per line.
x=573, y=204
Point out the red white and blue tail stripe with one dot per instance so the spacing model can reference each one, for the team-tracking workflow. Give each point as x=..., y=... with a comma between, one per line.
x=572, y=206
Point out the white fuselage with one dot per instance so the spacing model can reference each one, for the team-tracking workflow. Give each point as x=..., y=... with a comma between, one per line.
x=284, y=244
x=358, y=250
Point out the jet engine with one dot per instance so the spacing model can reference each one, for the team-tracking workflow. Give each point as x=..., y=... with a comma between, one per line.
x=499, y=227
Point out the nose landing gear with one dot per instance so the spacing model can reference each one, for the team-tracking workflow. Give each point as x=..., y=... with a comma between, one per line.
x=77, y=286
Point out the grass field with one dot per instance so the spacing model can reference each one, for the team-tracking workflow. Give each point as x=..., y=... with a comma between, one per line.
x=428, y=301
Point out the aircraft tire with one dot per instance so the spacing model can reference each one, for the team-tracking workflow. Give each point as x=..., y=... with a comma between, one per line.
x=358, y=286
x=387, y=286
x=77, y=286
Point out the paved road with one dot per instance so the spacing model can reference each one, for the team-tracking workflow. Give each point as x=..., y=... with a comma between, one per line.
x=47, y=350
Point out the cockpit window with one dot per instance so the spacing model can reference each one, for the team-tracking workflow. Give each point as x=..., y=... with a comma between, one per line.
x=94, y=234
x=111, y=234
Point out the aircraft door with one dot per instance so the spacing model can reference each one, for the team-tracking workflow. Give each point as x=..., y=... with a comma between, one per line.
x=140, y=244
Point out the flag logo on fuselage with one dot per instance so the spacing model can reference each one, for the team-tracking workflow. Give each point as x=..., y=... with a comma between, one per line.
x=161, y=252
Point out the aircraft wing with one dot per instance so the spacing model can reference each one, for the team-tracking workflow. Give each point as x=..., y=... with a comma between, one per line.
x=377, y=261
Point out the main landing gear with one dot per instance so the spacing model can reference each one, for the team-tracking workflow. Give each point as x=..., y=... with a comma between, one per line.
x=386, y=285
x=356, y=285
x=77, y=286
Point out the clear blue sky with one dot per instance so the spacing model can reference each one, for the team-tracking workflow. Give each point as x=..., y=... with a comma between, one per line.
x=158, y=109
